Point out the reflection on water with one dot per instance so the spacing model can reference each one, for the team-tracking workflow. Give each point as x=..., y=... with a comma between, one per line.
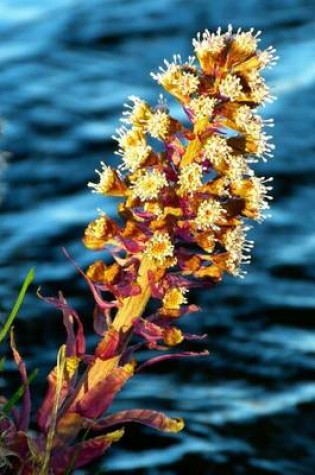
x=66, y=68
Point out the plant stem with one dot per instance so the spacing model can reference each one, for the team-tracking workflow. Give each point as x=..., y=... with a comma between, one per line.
x=192, y=150
x=133, y=307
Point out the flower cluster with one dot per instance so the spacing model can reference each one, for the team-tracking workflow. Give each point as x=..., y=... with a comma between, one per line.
x=187, y=206
x=188, y=193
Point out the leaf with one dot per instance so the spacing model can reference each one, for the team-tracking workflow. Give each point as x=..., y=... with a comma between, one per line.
x=75, y=344
x=2, y=361
x=61, y=358
x=156, y=420
x=18, y=394
x=98, y=397
x=29, y=278
x=78, y=453
x=24, y=416
x=69, y=458
x=170, y=356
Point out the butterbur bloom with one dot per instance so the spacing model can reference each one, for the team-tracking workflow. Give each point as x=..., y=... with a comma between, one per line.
x=178, y=77
x=159, y=248
x=209, y=213
x=109, y=184
x=100, y=232
x=148, y=186
x=174, y=298
x=188, y=193
x=190, y=178
x=188, y=205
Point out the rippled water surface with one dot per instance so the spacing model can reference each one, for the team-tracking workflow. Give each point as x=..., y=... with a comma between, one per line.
x=66, y=68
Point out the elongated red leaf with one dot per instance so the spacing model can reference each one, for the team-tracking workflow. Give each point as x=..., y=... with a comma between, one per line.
x=156, y=420
x=171, y=356
x=75, y=344
x=64, y=460
x=97, y=399
x=24, y=416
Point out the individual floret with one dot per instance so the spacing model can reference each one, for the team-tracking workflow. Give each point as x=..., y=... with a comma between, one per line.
x=158, y=125
x=209, y=214
x=180, y=79
x=202, y=107
x=217, y=150
x=231, y=87
x=190, y=178
x=159, y=248
x=149, y=185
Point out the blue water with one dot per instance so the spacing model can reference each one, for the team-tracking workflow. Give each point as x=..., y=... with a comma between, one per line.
x=66, y=68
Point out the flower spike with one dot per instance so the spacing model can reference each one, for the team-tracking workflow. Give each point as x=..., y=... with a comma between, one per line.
x=187, y=194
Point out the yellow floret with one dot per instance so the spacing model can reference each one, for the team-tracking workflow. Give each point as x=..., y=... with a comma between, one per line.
x=231, y=87
x=148, y=186
x=174, y=298
x=190, y=178
x=208, y=214
x=216, y=149
x=159, y=248
x=158, y=125
x=202, y=107
x=107, y=177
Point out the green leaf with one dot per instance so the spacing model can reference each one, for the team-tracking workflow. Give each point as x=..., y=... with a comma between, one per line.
x=2, y=361
x=18, y=394
x=29, y=278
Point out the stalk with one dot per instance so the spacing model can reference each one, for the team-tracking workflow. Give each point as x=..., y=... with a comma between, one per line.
x=133, y=307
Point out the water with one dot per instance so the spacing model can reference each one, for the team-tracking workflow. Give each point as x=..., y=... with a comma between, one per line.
x=66, y=68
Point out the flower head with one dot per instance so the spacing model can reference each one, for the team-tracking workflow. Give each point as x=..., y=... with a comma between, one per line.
x=207, y=42
x=255, y=191
x=133, y=157
x=137, y=112
x=202, y=107
x=107, y=178
x=159, y=248
x=128, y=137
x=246, y=41
x=238, y=248
x=259, y=145
x=216, y=149
x=208, y=47
x=180, y=79
x=99, y=232
x=158, y=125
x=209, y=213
x=174, y=298
x=190, y=178
x=231, y=87
x=260, y=92
x=188, y=83
x=247, y=121
x=237, y=168
x=148, y=186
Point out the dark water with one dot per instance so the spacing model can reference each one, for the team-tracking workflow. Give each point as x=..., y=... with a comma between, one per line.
x=66, y=68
